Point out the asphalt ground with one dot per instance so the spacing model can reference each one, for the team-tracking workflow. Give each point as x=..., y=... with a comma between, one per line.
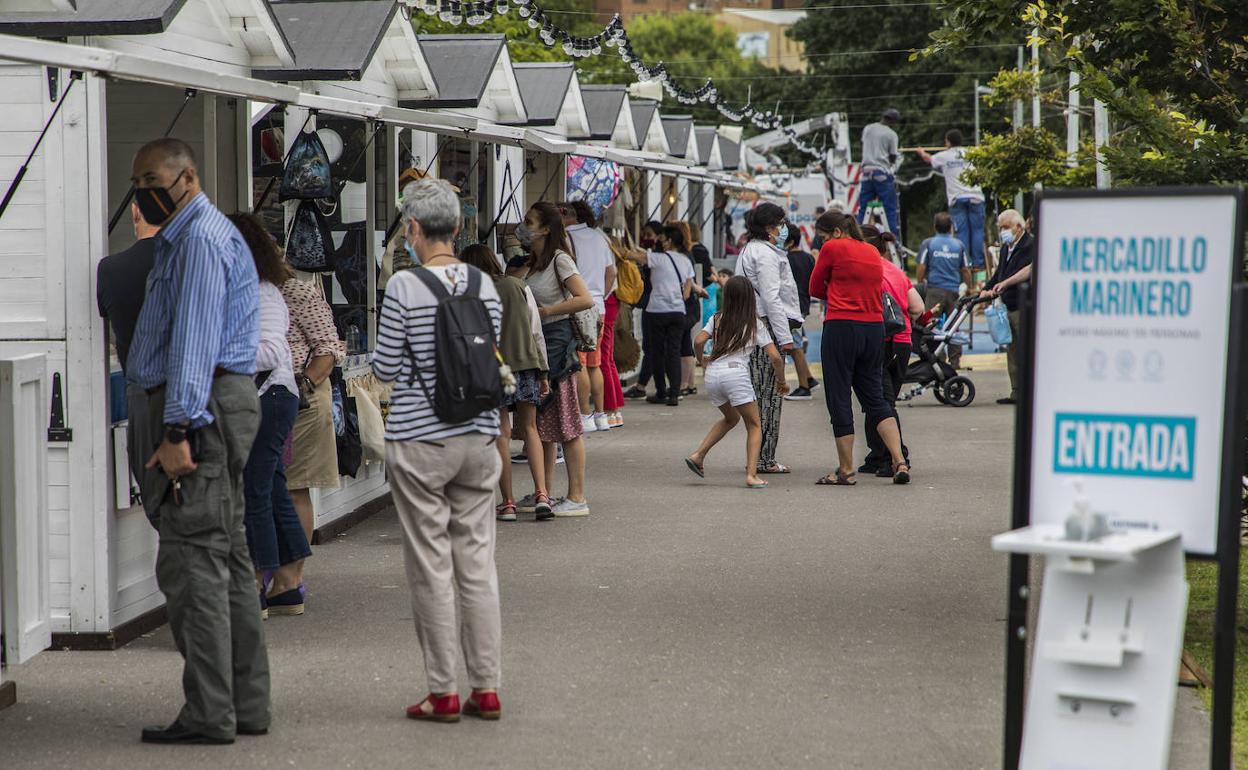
x=686, y=623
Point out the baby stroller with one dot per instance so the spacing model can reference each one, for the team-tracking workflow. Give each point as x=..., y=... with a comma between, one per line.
x=928, y=371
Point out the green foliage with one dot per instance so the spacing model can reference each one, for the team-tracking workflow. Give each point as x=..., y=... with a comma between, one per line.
x=693, y=45
x=1009, y=163
x=1173, y=76
x=863, y=85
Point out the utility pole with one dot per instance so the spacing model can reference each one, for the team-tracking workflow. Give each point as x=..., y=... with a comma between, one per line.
x=976, y=112
x=1100, y=124
x=1018, y=121
x=1072, y=120
x=1035, y=94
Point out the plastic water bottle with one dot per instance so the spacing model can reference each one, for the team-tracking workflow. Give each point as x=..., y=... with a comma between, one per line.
x=353, y=338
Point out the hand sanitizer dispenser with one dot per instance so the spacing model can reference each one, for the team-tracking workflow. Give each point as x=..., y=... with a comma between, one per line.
x=1082, y=524
x=1101, y=690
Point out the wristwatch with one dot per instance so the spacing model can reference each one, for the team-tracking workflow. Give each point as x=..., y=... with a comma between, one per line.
x=176, y=434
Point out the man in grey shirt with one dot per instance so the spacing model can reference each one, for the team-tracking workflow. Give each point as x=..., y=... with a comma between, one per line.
x=880, y=159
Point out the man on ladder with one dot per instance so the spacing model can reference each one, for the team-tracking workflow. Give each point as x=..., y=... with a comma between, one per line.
x=880, y=158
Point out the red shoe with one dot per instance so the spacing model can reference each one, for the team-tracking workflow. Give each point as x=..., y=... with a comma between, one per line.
x=436, y=708
x=483, y=705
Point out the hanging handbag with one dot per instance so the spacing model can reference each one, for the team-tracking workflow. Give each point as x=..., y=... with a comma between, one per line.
x=306, y=175
x=894, y=321
x=350, y=448
x=309, y=245
x=999, y=324
x=584, y=322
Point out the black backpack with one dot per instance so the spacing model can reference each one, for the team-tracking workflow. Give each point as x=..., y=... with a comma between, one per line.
x=468, y=378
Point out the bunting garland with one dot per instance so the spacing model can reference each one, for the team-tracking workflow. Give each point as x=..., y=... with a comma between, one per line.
x=613, y=35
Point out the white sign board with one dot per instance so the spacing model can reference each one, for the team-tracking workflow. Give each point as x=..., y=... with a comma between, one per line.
x=1133, y=300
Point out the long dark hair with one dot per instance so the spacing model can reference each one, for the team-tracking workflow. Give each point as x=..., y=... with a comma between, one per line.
x=482, y=257
x=675, y=235
x=556, y=237
x=270, y=265
x=735, y=325
x=763, y=217
x=836, y=220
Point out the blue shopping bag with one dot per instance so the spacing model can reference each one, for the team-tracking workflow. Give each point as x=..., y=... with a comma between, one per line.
x=999, y=324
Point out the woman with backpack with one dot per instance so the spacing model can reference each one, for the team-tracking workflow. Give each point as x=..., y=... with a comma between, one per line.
x=736, y=333
x=552, y=276
x=443, y=472
x=850, y=276
x=523, y=348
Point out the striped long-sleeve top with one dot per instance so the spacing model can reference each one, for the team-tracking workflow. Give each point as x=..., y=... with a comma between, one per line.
x=201, y=312
x=407, y=322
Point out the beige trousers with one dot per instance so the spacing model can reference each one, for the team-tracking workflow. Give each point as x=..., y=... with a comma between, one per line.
x=444, y=493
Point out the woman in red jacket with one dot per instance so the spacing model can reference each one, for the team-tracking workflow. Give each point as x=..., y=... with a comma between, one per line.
x=849, y=274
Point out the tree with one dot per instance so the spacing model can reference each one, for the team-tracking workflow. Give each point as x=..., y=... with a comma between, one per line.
x=934, y=93
x=1173, y=76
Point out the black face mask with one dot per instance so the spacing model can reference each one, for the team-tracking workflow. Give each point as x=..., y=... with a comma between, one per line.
x=156, y=204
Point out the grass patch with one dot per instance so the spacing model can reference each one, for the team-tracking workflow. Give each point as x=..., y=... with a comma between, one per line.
x=1202, y=580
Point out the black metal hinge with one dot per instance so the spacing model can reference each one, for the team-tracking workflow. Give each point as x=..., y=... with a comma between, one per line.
x=57, y=432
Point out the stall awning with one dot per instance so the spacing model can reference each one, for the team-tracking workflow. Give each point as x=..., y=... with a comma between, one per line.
x=128, y=66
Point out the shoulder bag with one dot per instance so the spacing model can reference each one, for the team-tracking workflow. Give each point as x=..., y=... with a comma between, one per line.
x=584, y=322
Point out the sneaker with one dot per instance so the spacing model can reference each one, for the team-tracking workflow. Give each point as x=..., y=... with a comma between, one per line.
x=615, y=420
x=506, y=511
x=673, y=400
x=635, y=392
x=520, y=459
x=655, y=399
x=812, y=384
x=587, y=424
x=527, y=504
x=566, y=508
x=601, y=422
x=798, y=394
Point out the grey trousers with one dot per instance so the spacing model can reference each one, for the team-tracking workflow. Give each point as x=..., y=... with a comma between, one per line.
x=203, y=566
x=763, y=377
x=444, y=494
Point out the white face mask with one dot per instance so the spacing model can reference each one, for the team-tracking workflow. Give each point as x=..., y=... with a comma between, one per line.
x=1007, y=237
x=524, y=235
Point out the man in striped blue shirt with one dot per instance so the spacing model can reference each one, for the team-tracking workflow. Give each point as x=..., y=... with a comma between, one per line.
x=193, y=357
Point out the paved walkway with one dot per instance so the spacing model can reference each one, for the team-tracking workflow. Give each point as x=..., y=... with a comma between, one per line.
x=685, y=624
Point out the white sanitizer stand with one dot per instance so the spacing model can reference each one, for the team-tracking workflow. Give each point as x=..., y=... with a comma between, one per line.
x=1101, y=692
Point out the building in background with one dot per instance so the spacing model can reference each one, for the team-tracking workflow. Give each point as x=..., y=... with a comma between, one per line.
x=761, y=34
x=629, y=8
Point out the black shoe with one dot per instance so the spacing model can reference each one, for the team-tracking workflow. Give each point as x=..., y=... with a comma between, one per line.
x=1006, y=401
x=655, y=399
x=520, y=459
x=812, y=384
x=248, y=730
x=870, y=469
x=799, y=394
x=177, y=734
x=673, y=401
x=635, y=392
x=884, y=472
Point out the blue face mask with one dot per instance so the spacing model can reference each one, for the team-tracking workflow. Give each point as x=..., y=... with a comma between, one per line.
x=782, y=237
x=1007, y=237
x=412, y=253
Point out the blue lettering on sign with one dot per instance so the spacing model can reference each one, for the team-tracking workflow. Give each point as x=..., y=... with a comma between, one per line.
x=1150, y=446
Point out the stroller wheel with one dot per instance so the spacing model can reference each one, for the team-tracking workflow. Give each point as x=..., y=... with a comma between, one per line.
x=957, y=391
x=939, y=393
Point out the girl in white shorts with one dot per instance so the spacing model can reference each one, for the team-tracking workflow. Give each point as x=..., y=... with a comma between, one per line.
x=736, y=332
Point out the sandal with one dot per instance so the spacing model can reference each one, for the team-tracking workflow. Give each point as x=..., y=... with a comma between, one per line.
x=506, y=511
x=901, y=473
x=761, y=485
x=776, y=468
x=841, y=479
x=698, y=469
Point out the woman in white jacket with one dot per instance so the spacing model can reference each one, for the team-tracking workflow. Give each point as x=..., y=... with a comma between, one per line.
x=767, y=269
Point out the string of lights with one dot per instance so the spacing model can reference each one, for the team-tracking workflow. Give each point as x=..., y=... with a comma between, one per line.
x=613, y=35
